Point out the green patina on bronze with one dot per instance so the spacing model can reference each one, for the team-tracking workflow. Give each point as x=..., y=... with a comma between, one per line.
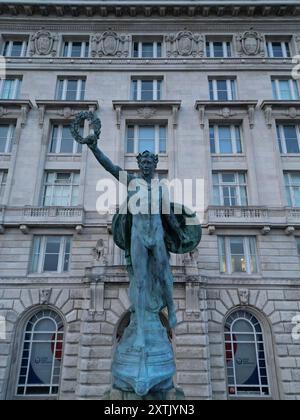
x=144, y=362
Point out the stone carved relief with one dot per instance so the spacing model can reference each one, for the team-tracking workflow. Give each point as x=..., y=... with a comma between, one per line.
x=184, y=44
x=43, y=43
x=244, y=295
x=109, y=44
x=250, y=43
x=146, y=112
x=45, y=295
x=100, y=252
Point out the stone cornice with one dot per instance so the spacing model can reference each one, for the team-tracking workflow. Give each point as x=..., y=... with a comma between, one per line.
x=64, y=109
x=226, y=110
x=13, y=108
x=280, y=109
x=146, y=109
x=149, y=8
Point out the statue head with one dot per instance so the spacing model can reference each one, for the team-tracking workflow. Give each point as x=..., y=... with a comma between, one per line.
x=147, y=162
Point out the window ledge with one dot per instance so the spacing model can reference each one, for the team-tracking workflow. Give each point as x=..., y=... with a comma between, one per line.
x=147, y=110
x=65, y=109
x=226, y=110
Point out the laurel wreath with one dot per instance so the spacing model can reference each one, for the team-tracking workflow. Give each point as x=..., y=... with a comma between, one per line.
x=94, y=122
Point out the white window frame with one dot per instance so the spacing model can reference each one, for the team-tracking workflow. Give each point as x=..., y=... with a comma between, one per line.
x=60, y=128
x=156, y=138
x=210, y=45
x=244, y=315
x=42, y=254
x=65, y=81
x=69, y=44
x=9, y=138
x=234, y=139
x=71, y=184
x=283, y=47
x=232, y=95
x=282, y=138
x=155, y=84
x=28, y=337
x=247, y=254
x=293, y=88
x=10, y=47
x=289, y=186
x=140, y=48
x=236, y=184
x=3, y=183
x=15, y=92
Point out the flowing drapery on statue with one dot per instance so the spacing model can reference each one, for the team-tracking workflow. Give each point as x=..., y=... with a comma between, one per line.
x=147, y=229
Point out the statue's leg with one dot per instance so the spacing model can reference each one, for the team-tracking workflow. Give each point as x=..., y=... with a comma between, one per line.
x=163, y=268
x=139, y=259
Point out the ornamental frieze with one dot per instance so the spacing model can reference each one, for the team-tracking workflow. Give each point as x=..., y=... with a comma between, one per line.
x=184, y=44
x=109, y=44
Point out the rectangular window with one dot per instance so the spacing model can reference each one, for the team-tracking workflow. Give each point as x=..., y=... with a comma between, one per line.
x=230, y=189
x=285, y=89
x=10, y=88
x=278, y=49
x=51, y=254
x=15, y=48
x=6, y=137
x=70, y=89
x=61, y=189
x=146, y=90
x=62, y=140
x=149, y=49
x=146, y=137
x=75, y=49
x=237, y=254
x=222, y=89
x=218, y=49
x=288, y=138
x=3, y=180
x=225, y=139
x=292, y=186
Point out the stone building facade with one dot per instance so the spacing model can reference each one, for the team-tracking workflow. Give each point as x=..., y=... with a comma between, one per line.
x=209, y=87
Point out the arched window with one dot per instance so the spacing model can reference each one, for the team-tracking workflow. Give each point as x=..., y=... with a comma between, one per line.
x=42, y=355
x=245, y=356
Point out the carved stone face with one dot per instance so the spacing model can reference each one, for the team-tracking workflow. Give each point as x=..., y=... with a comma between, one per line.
x=147, y=166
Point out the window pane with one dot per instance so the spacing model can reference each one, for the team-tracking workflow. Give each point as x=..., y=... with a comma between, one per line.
x=52, y=253
x=162, y=139
x=222, y=93
x=4, y=139
x=67, y=140
x=35, y=253
x=130, y=139
x=147, y=49
x=147, y=90
x=291, y=139
x=134, y=84
x=76, y=49
x=54, y=139
x=72, y=86
x=16, y=50
x=212, y=139
x=218, y=49
x=225, y=141
x=146, y=139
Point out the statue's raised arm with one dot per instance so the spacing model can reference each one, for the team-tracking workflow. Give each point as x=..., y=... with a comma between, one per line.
x=91, y=141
